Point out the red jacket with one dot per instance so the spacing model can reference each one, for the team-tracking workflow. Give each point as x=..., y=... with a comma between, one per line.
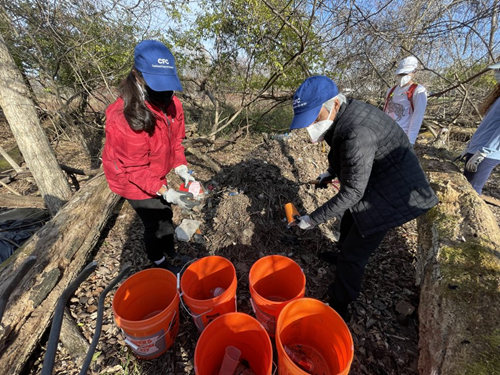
x=136, y=164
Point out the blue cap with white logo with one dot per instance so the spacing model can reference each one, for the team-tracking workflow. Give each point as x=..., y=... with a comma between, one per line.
x=157, y=65
x=309, y=98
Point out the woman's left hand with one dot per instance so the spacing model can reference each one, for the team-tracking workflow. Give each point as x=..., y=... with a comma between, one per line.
x=183, y=172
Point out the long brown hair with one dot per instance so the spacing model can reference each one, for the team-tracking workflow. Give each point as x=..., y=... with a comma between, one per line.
x=489, y=100
x=137, y=114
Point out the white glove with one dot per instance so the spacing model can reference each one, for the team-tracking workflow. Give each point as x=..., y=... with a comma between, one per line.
x=182, y=199
x=305, y=223
x=323, y=180
x=183, y=172
x=474, y=161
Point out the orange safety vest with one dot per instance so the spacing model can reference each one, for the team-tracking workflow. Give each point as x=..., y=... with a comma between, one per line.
x=409, y=94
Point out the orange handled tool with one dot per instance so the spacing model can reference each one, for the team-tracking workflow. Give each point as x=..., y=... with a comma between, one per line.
x=291, y=214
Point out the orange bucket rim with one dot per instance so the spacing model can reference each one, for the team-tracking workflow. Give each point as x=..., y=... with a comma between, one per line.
x=230, y=289
x=279, y=344
x=230, y=315
x=252, y=282
x=171, y=307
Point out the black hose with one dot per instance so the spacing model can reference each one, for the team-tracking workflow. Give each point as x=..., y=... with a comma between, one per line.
x=100, y=311
x=23, y=270
x=55, y=329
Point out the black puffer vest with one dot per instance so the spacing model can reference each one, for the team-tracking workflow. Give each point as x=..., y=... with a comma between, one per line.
x=382, y=181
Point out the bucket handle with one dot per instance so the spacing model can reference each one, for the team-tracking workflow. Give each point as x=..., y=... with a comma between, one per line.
x=189, y=311
x=136, y=347
x=178, y=275
x=181, y=294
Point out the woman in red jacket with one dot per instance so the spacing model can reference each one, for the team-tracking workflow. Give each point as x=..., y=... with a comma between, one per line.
x=144, y=131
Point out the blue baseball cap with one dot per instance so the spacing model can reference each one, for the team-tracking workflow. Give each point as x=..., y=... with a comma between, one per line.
x=309, y=98
x=157, y=65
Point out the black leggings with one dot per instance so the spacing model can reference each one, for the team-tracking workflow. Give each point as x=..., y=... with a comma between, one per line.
x=156, y=215
x=352, y=259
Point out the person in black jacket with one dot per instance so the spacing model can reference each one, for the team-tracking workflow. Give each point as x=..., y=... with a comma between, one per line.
x=382, y=184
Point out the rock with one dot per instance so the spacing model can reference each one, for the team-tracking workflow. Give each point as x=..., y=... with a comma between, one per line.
x=405, y=308
x=248, y=232
x=83, y=300
x=379, y=305
x=198, y=238
x=185, y=231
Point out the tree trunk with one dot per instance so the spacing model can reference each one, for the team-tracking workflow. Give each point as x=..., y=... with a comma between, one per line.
x=31, y=139
x=458, y=269
x=62, y=248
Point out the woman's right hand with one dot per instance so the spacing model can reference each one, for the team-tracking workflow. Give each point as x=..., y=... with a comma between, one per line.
x=183, y=199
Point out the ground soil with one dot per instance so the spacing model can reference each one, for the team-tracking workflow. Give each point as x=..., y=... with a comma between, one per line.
x=243, y=219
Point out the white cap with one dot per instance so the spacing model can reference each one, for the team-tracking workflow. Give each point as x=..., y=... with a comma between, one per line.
x=407, y=65
x=494, y=66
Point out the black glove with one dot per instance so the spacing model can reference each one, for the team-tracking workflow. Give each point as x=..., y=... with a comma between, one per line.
x=461, y=156
x=323, y=180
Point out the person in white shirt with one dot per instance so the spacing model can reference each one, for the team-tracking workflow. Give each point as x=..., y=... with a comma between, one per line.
x=406, y=102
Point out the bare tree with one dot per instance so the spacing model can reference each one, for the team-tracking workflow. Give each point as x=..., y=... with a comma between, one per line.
x=31, y=139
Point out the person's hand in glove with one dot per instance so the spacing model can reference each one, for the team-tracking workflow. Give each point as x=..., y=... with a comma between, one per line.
x=474, y=161
x=323, y=180
x=183, y=172
x=305, y=222
x=182, y=199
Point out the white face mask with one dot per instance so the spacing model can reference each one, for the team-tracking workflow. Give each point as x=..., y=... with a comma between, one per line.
x=496, y=73
x=318, y=129
x=404, y=80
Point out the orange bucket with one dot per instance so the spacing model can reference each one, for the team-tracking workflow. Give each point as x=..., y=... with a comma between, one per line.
x=208, y=289
x=274, y=281
x=315, y=331
x=146, y=308
x=241, y=331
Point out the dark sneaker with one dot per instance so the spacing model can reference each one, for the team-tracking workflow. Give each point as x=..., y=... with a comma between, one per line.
x=166, y=265
x=340, y=307
x=329, y=257
x=181, y=262
x=182, y=259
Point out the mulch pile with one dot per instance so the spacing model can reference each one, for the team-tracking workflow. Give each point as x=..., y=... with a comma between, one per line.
x=243, y=219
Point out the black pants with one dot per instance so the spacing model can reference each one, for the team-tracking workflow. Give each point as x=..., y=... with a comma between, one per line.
x=353, y=257
x=156, y=215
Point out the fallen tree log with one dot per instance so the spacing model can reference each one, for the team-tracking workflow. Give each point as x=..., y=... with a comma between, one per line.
x=62, y=248
x=458, y=270
x=21, y=201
